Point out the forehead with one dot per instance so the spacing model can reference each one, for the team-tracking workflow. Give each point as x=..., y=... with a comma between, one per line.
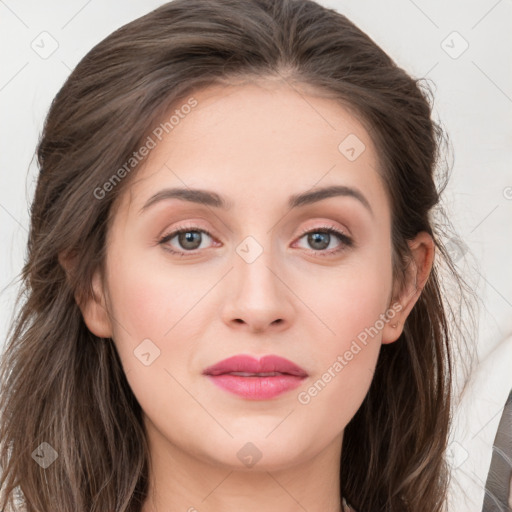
x=261, y=140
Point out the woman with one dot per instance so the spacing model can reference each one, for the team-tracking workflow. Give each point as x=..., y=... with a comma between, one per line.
x=233, y=276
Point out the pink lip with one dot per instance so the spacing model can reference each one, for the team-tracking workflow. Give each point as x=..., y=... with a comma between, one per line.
x=224, y=374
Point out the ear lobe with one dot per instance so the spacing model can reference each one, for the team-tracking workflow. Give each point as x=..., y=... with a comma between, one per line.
x=423, y=250
x=93, y=309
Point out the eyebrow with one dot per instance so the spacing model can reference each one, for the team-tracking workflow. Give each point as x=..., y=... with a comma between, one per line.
x=210, y=198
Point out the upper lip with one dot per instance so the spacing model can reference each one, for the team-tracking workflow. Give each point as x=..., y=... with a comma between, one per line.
x=249, y=364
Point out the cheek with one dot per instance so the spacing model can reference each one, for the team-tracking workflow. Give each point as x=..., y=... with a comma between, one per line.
x=149, y=306
x=152, y=333
x=346, y=357
x=149, y=300
x=351, y=300
x=352, y=307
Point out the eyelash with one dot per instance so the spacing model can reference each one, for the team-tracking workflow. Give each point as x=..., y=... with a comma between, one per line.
x=346, y=241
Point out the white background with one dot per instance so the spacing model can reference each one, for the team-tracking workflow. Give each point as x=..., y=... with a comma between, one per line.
x=473, y=101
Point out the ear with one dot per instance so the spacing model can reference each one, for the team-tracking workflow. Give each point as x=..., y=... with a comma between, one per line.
x=94, y=309
x=423, y=250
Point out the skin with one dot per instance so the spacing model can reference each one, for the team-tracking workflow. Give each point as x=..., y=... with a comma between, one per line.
x=255, y=144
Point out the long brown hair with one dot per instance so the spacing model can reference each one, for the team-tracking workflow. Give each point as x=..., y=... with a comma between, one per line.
x=63, y=386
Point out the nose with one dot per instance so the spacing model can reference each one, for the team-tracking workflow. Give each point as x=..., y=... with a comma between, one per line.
x=259, y=298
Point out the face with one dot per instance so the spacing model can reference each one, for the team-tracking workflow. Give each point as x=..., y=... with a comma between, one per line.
x=309, y=282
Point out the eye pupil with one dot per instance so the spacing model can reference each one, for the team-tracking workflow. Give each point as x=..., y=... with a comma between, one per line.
x=189, y=237
x=318, y=237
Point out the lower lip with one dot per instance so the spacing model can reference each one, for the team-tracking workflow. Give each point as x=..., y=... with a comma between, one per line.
x=256, y=388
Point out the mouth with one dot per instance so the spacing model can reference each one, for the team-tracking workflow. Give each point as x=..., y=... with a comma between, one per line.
x=255, y=379
x=245, y=374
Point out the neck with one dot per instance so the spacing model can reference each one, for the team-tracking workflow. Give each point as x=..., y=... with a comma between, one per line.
x=194, y=483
